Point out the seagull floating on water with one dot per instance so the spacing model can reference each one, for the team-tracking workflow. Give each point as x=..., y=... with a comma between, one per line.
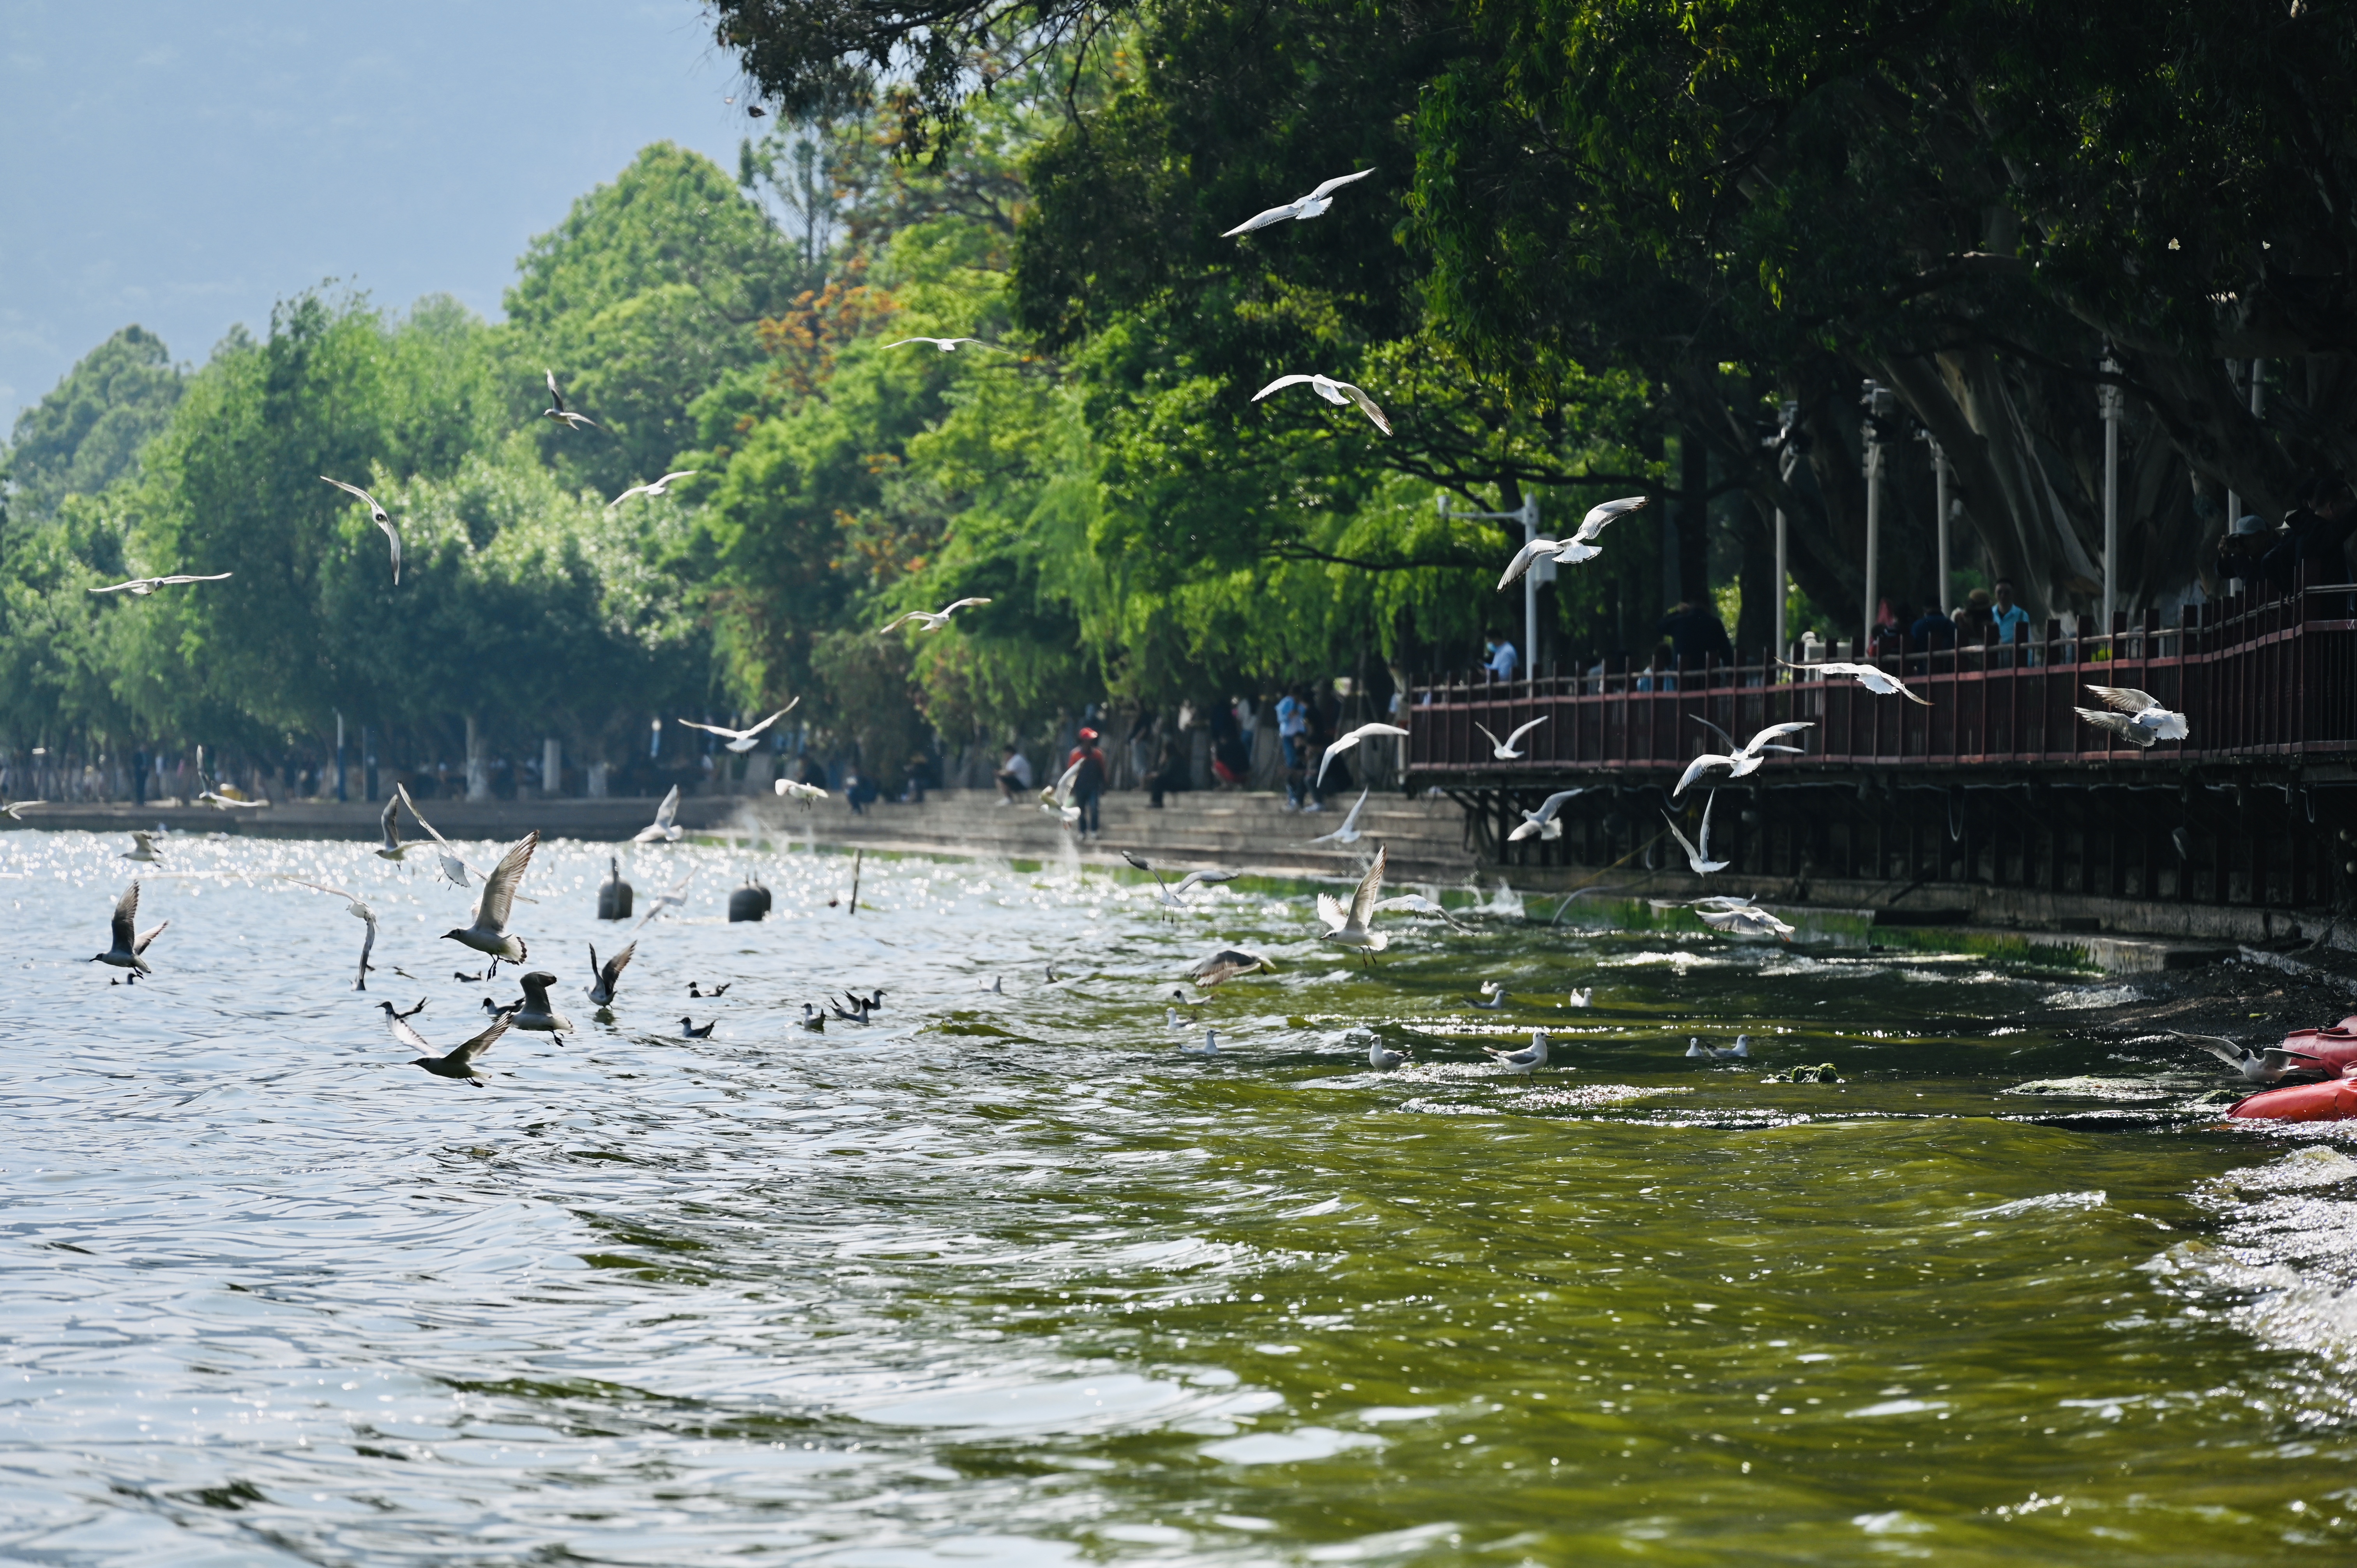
x=489, y=932
x=359, y=912
x=1350, y=928
x=603, y=979
x=128, y=942
x=140, y=587
x=688, y=1030
x=1349, y=741
x=1698, y=856
x=1210, y=1048
x=2267, y=1066
x=564, y=415
x=2135, y=716
x=744, y=740
x=1581, y=546
x=1740, y=761
x=1381, y=1058
x=1881, y=682
x=695, y=990
x=382, y=519
x=1525, y=1061
x=1742, y=1047
x=1301, y=208
x=1505, y=750
x=660, y=487
x=929, y=620
x=460, y=1062
x=1333, y=391
x=663, y=829
x=1579, y=998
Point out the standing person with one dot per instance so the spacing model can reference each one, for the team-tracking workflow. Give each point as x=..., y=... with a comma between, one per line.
x=2011, y=620
x=1500, y=658
x=1090, y=781
x=2242, y=554
x=1292, y=724
x=1014, y=773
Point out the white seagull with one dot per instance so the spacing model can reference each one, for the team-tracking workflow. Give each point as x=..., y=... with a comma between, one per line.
x=660, y=487
x=1698, y=856
x=1381, y=1058
x=1333, y=391
x=1347, y=742
x=944, y=344
x=128, y=942
x=1313, y=205
x=359, y=912
x=1742, y=1047
x=675, y=898
x=1740, y=761
x=1349, y=832
x=1350, y=928
x=1541, y=823
x=795, y=789
x=389, y=829
x=1743, y=920
x=663, y=829
x=1505, y=750
x=928, y=620
x=1881, y=682
x=563, y=415
x=2267, y=1066
x=14, y=809
x=453, y=867
x=382, y=521
x=1056, y=799
x=1580, y=546
x=143, y=848
x=742, y=740
x=1417, y=903
x=1173, y=898
x=140, y=587
x=1525, y=1061
x=2135, y=716
x=487, y=934
x=604, y=977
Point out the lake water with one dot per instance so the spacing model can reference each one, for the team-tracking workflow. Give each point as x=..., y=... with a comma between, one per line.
x=1009, y=1280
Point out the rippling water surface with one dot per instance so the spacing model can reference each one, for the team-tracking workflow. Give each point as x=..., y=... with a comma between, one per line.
x=1007, y=1279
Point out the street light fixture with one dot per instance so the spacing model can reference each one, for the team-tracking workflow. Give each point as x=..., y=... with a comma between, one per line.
x=2108, y=400
x=1528, y=516
x=1880, y=425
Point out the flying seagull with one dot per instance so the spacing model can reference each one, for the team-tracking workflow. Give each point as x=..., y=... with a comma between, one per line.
x=1743, y=920
x=359, y=912
x=1881, y=682
x=677, y=898
x=143, y=848
x=460, y=1062
x=382, y=521
x=743, y=740
x=1581, y=546
x=604, y=978
x=660, y=487
x=1417, y=903
x=389, y=827
x=535, y=1013
x=1740, y=761
x=453, y=867
x=489, y=933
x=1698, y=856
x=1173, y=898
x=1056, y=799
x=2135, y=716
x=1542, y=823
x=129, y=942
x=1351, y=927
x=944, y=343
x=928, y=620
x=565, y=416
x=14, y=809
x=1504, y=750
x=795, y=789
x=2265, y=1065
x=1525, y=1061
x=1349, y=832
x=1333, y=391
x=140, y=587
x=221, y=802
x=663, y=829
x=1347, y=742
x=1313, y=205
x=1226, y=964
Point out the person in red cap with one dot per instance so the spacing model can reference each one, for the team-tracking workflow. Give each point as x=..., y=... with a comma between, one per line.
x=1091, y=782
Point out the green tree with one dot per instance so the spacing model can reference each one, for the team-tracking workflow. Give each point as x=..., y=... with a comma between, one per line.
x=89, y=431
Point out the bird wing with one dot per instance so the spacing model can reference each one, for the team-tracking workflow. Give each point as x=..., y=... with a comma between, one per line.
x=391, y=822
x=403, y=1032
x=615, y=965
x=553, y=392
x=1555, y=803
x=633, y=490
x=1698, y=767
x=385, y=524
x=1495, y=744
x=1281, y=381
x=1909, y=692
x=465, y=1055
x=1367, y=406
x=683, y=474
x=715, y=729
x=118, y=587
x=1525, y=730
x=149, y=935
x=352, y=899
x=900, y=620
x=1261, y=221
x=1193, y=877
x=500, y=886
x=2120, y=724
x=216, y=577
x=126, y=912
x=1338, y=182
x=1703, y=837
x=1715, y=730
x=355, y=489
x=1598, y=516
x=669, y=809
x=773, y=718
x=950, y=610
x=1352, y=819
x=1530, y=551
x=1331, y=914
x=1062, y=789
x=1684, y=843
x=1370, y=888
x=2126, y=699
x=1759, y=740
x=402, y=792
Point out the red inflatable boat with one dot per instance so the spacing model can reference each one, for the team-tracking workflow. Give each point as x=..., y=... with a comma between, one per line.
x=2335, y=1100
x=2334, y=1047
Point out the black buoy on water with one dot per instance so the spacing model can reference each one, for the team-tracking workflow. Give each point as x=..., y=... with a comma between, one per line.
x=614, y=897
x=751, y=902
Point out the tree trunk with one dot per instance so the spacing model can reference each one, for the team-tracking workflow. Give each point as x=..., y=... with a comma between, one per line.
x=478, y=767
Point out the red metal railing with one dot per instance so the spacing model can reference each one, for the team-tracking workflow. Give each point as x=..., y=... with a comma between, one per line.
x=2254, y=677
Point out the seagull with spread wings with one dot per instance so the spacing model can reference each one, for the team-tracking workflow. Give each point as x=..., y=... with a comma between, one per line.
x=128, y=942
x=1351, y=927
x=1740, y=761
x=389, y=829
x=1333, y=391
x=944, y=344
x=1507, y=750
x=1176, y=898
x=660, y=487
x=1542, y=823
x=460, y=1062
x=1056, y=799
x=1226, y=964
x=664, y=829
x=928, y=620
x=1313, y=205
x=489, y=932
x=675, y=898
x=14, y=809
x=2269, y=1065
x=2135, y=716
x=1581, y=546
x=604, y=978
x=1881, y=682
x=382, y=519
x=1417, y=903
x=143, y=848
x=140, y=587
x=1346, y=742
x=1349, y=832
x=453, y=867
x=795, y=789
x=1698, y=856
x=561, y=414
x=743, y=740
x=359, y=912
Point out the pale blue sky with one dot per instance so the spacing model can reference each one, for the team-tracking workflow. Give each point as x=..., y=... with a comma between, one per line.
x=184, y=165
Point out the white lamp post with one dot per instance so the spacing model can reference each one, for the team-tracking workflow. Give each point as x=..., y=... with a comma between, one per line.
x=2108, y=397
x=1787, y=452
x=1528, y=516
x=1879, y=402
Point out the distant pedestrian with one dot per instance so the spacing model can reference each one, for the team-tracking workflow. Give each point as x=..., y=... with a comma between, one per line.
x=859, y=789
x=2242, y=553
x=1013, y=774
x=2315, y=536
x=1089, y=784
x=1930, y=631
x=1500, y=659
x=1697, y=633
x=2011, y=620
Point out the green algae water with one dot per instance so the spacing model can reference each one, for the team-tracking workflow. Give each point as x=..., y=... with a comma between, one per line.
x=1005, y=1277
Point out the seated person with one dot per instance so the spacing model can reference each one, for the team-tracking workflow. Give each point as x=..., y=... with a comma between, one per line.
x=1014, y=773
